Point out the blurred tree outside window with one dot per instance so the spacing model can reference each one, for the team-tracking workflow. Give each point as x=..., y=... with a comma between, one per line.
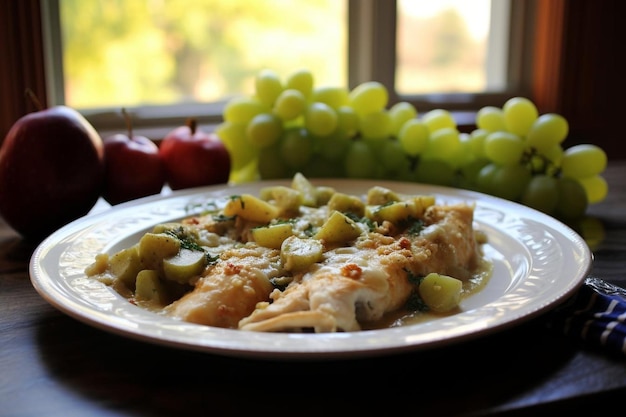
x=145, y=52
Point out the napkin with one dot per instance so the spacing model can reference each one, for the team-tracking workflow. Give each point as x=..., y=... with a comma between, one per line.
x=595, y=315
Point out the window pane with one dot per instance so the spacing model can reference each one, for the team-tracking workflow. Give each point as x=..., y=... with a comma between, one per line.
x=144, y=52
x=450, y=46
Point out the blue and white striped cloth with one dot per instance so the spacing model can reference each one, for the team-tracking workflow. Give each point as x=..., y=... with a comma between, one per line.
x=596, y=314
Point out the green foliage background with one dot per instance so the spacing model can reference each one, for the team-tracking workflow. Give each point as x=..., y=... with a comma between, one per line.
x=131, y=52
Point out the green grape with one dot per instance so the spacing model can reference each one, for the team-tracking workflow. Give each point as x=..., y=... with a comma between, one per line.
x=484, y=177
x=491, y=119
x=504, y=148
x=296, y=147
x=596, y=188
x=335, y=97
x=434, y=171
x=443, y=144
x=477, y=142
x=319, y=167
x=368, y=97
x=510, y=181
x=393, y=158
x=243, y=109
x=548, y=130
x=348, y=121
x=290, y=104
x=320, y=119
x=406, y=172
x=234, y=137
x=360, y=161
x=379, y=172
x=519, y=115
x=376, y=145
x=554, y=154
x=414, y=137
x=401, y=113
x=439, y=119
x=247, y=173
x=334, y=146
x=541, y=194
x=268, y=87
x=463, y=155
x=375, y=125
x=293, y=123
x=468, y=174
x=572, y=199
x=301, y=80
x=264, y=130
x=583, y=160
x=271, y=165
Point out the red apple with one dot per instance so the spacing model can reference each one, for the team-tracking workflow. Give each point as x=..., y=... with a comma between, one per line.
x=194, y=158
x=51, y=171
x=133, y=166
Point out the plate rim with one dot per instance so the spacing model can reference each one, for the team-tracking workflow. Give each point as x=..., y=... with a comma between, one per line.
x=280, y=346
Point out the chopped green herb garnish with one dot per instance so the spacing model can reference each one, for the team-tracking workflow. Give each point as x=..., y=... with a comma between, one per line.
x=413, y=279
x=211, y=259
x=191, y=245
x=223, y=218
x=238, y=197
x=388, y=203
x=366, y=221
x=186, y=242
x=415, y=303
x=416, y=227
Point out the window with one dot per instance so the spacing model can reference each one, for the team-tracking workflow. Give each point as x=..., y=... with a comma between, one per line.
x=451, y=46
x=561, y=55
x=168, y=60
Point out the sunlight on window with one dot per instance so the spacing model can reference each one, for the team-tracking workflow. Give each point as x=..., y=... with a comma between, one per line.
x=154, y=52
x=442, y=46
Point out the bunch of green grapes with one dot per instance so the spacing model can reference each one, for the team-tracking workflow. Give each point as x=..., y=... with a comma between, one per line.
x=527, y=162
x=291, y=126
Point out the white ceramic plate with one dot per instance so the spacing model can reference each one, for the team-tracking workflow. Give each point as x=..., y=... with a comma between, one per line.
x=538, y=262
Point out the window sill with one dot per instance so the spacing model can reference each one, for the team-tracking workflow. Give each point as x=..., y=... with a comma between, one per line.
x=465, y=123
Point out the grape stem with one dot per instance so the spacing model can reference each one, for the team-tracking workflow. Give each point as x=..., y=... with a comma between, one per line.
x=129, y=125
x=192, y=125
x=547, y=166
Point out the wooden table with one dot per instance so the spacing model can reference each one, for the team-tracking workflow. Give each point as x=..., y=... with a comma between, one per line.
x=53, y=365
